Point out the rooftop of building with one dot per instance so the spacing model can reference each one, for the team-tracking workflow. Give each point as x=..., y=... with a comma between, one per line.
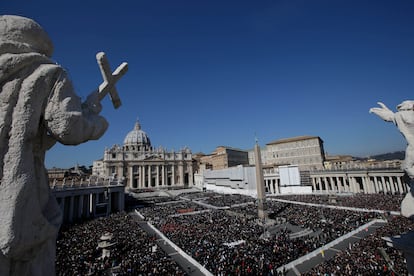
x=293, y=139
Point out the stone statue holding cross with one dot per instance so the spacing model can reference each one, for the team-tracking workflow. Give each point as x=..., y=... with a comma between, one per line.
x=38, y=107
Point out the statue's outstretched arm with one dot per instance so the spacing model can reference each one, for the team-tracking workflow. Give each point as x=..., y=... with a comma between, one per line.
x=383, y=112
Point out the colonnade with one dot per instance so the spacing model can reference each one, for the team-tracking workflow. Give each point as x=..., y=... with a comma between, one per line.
x=88, y=202
x=357, y=182
x=272, y=185
x=367, y=182
x=160, y=175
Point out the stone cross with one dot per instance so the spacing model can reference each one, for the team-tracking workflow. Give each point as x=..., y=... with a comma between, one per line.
x=108, y=85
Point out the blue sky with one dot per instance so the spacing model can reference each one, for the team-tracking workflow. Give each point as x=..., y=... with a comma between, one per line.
x=209, y=73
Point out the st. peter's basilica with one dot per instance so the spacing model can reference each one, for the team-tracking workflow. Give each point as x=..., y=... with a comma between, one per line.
x=144, y=166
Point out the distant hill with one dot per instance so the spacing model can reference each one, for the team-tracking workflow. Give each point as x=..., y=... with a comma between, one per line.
x=400, y=155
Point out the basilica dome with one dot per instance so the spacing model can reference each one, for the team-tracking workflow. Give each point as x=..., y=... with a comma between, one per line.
x=137, y=137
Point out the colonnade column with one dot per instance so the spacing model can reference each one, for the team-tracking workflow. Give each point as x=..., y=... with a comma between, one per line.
x=277, y=190
x=325, y=181
x=121, y=201
x=400, y=187
x=339, y=183
x=365, y=185
x=92, y=204
x=377, y=188
x=332, y=182
x=390, y=180
x=80, y=207
x=71, y=207
x=353, y=185
x=345, y=181
x=384, y=185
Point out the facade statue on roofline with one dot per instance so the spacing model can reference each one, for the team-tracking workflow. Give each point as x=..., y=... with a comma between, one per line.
x=38, y=107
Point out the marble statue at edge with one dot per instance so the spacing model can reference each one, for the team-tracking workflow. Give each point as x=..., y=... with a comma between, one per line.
x=38, y=107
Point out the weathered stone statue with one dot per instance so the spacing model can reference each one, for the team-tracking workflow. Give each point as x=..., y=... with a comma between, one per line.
x=38, y=106
x=404, y=120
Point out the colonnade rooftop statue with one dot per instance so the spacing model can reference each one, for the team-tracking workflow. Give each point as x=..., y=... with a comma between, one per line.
x=38, y=107
x=404, y=120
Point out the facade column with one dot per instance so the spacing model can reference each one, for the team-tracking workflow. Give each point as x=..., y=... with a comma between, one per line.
x=181, y=173
x=139, y=184
x=131, y=177
x=149, y=176
x=142, y=176
x=157, y=181
x=190, y=174
x=173, y=175
x=139, y=176
x=163, y=175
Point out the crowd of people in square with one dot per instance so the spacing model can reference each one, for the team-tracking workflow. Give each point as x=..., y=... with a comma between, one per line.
x=206, y=236
x=134, y=251
x=386, y=202
x=231, y=241
x=370, y=255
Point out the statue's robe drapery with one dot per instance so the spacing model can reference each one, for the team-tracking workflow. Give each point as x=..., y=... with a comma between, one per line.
x=37, y=108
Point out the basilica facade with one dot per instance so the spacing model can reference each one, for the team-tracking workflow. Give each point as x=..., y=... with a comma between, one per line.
x=145, y=167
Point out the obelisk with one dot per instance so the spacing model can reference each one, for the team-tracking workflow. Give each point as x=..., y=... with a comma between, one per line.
x=261, y=196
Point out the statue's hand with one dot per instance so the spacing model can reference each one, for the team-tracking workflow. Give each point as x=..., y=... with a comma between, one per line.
x=383, y=112
x=93, y=103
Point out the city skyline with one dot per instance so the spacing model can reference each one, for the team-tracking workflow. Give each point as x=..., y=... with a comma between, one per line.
x=217, y=73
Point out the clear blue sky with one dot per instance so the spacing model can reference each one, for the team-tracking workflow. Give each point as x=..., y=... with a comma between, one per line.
x=209, y=73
